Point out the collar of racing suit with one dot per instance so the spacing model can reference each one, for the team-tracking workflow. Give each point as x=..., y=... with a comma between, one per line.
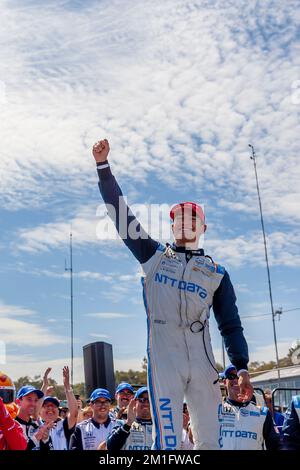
x=26, y=423
x=188, y=253
x=97, y=425
x=143, y=421
x=238, y=403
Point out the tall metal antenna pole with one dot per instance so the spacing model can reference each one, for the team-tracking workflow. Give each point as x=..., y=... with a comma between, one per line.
x=70, y=269
x=253, y=157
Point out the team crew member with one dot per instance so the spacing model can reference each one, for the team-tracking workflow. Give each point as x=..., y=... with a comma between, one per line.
x=124, y=394
x=11, y=432
x=243, y=424
x=62, y=429
x=180, y=285
x=291, y=425
x=37, y=436
x=90, y=433
x=136, y=431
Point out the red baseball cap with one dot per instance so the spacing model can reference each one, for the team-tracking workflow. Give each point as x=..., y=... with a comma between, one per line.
x=182, y=206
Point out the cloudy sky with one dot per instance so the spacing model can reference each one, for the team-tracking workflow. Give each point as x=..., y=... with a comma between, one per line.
x=180, y=88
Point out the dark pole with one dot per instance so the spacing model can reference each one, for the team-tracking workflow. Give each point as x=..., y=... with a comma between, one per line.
x=70, y=269
x=253, y=157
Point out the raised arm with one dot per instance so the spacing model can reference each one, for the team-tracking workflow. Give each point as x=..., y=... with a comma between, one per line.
x=46, y=389
x=132, y=233
x=72, y=402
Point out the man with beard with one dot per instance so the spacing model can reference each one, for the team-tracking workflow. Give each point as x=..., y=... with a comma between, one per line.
x=136, y=431
x=124, y=394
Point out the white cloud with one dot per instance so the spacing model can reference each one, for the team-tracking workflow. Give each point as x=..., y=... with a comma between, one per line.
x=188, y=88
x=283, y=247
x=95, y=276
x=99, y=336
x=267, y=353
x=56, y=234
x=15, y=310
x=91, y=226
x=108, y=315
x=24, y=332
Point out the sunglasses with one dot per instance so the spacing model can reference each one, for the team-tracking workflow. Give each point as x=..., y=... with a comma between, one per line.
x=232, y=377
x=143, y=400
x=99, y=403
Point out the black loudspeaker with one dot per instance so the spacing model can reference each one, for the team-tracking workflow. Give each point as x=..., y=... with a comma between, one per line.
x=99, y=367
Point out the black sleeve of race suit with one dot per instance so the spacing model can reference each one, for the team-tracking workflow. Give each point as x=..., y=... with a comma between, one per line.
x=116, y=439
x=291, y=430
x=271, y=437
x=143, y=246
x=229, y=323
x=76, y=441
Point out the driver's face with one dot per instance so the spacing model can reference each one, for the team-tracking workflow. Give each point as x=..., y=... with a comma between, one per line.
x=187, y=228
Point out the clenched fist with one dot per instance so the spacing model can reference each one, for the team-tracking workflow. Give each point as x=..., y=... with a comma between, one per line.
x=101, y=150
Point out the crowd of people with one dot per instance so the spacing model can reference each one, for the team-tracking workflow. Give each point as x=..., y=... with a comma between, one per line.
x=33, y=419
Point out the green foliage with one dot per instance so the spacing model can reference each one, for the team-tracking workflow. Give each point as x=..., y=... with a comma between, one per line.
x=133, y=377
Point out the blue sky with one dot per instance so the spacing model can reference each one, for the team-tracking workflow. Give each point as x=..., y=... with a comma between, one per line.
x=179, y=88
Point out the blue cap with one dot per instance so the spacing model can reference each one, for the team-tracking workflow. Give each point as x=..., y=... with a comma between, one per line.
x=100, y=393
x=140, y=392
x=53, y=400
x=124, y=386
x=29, y=389
x=224, y=375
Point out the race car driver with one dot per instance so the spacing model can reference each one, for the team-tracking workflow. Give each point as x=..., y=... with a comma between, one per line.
x=243, y=424
x=180, y=284
x=11, y=432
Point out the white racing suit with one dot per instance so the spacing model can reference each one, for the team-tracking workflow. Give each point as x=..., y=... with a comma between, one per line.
x=246, y=426
x=138, y=437
x=179, y=288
